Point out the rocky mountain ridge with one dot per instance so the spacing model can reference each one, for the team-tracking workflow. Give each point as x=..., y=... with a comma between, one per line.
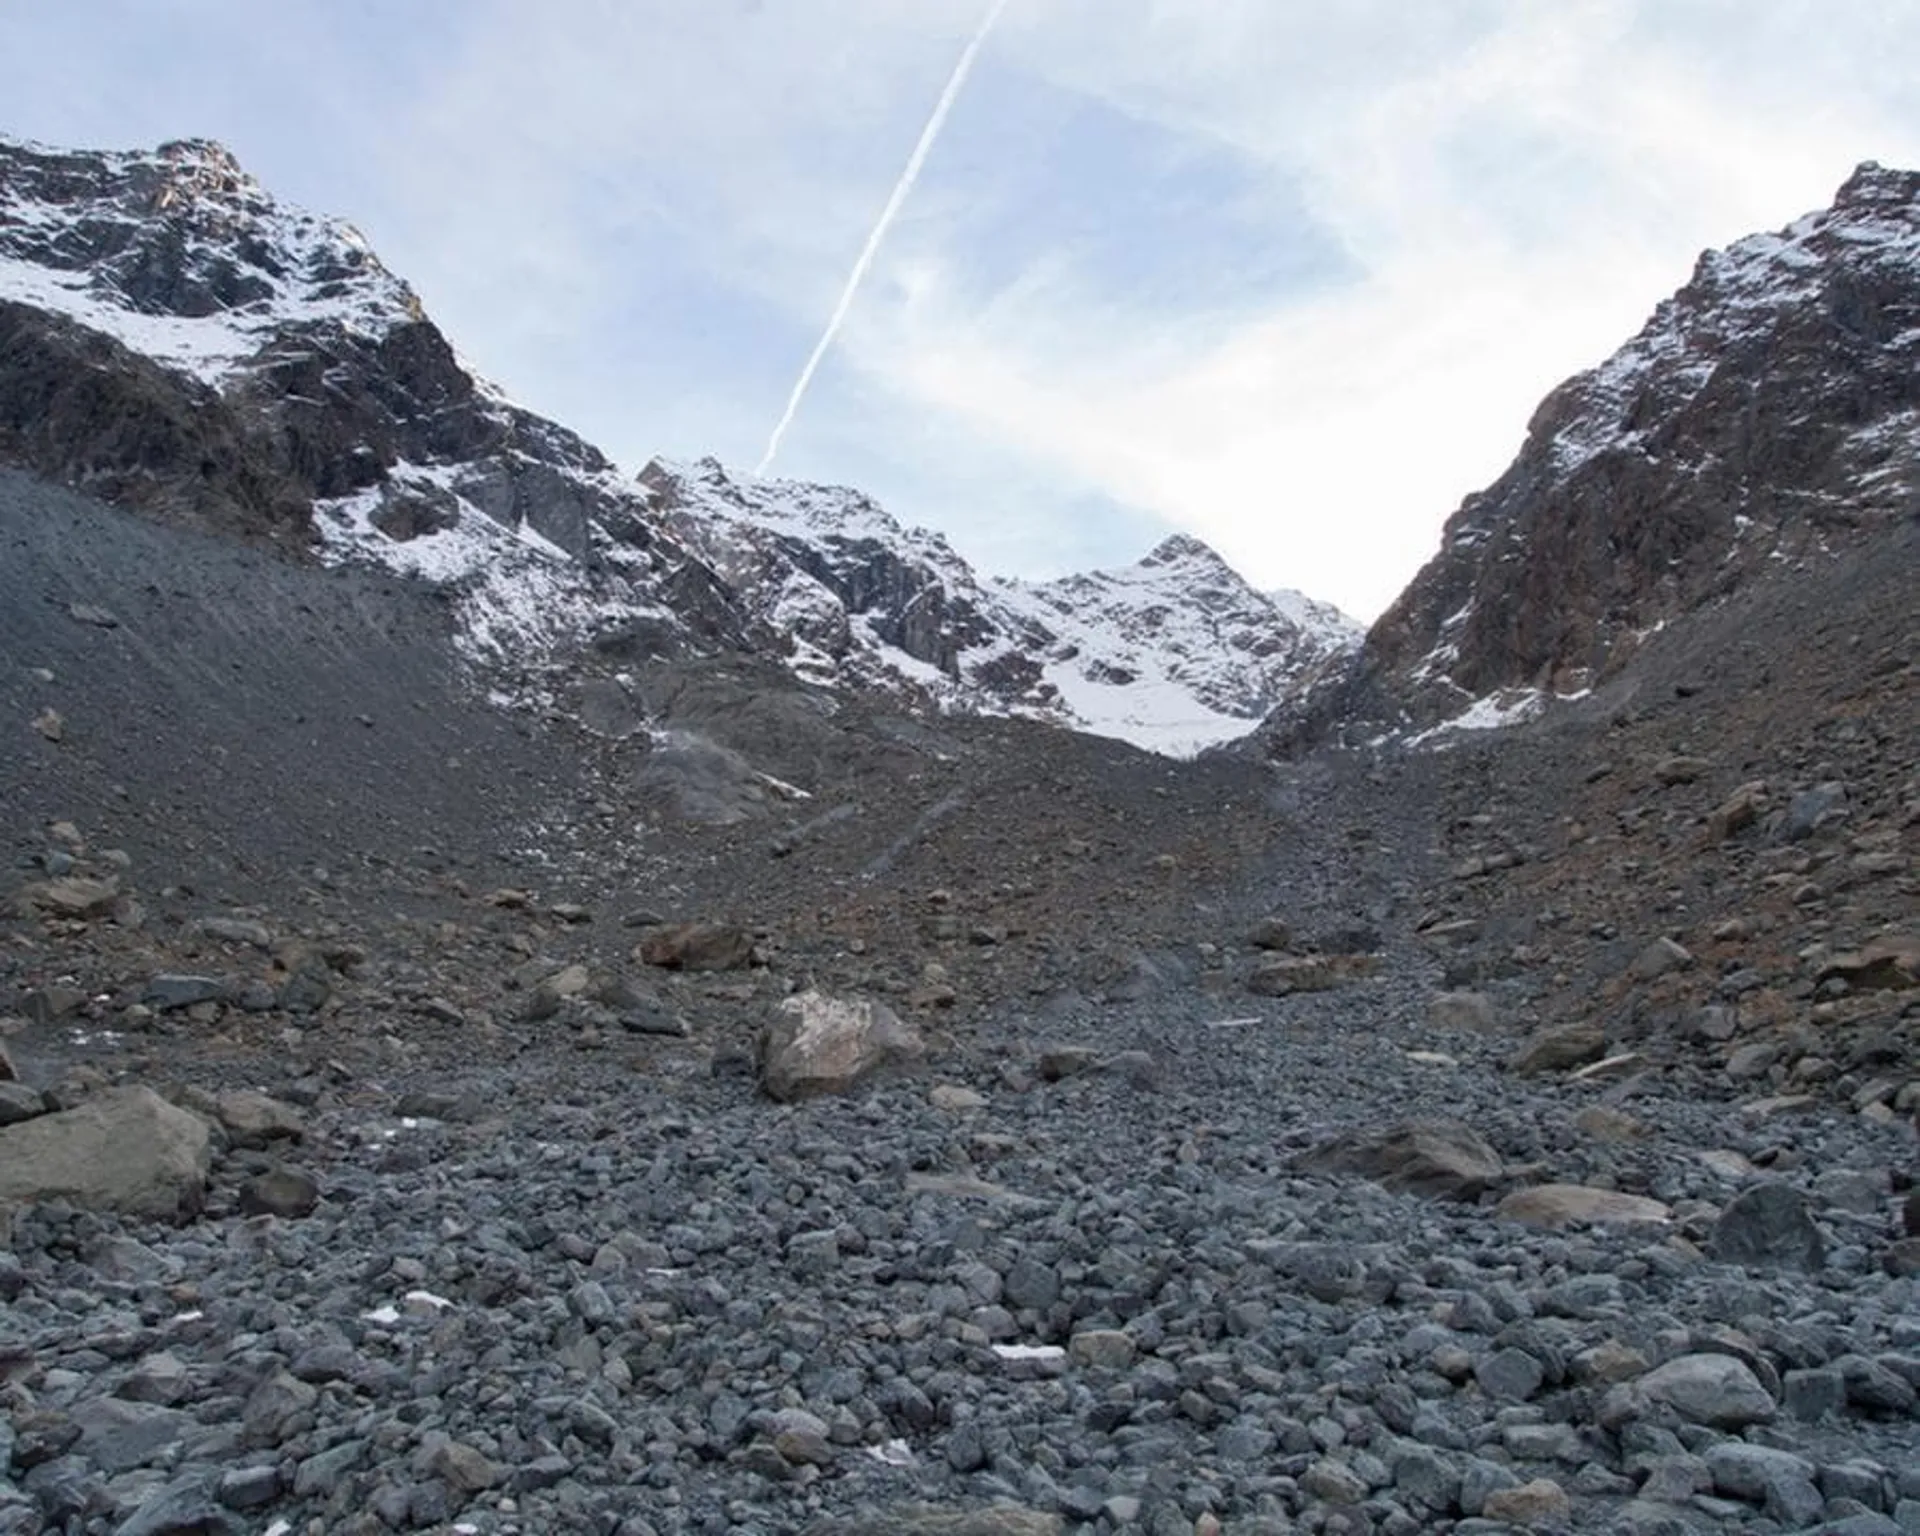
x=174, y=338
x=1176, y=652
x=1766, y=415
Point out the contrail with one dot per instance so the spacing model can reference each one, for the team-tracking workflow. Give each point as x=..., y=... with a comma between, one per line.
x=887, y=214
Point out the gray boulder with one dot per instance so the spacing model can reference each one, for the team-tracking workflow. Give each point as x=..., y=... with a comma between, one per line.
x=1708, y=1389
x=816, y=1044
x=1442, y=1159
x=1768, y=1227
x=128, y=1150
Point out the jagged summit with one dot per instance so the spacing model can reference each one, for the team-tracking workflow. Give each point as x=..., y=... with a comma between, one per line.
x=1175, y=652
x=182, y=233
x=1179, y=546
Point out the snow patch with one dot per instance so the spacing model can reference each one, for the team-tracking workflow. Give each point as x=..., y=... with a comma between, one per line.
x=1492, y=712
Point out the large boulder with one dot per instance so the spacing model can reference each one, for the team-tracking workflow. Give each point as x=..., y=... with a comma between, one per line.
x=1708, y=1389
x=1558, y=1047
x=1579, y=1205
x=1442, y=1159
x=697, y=947
x=816, y=1044
x=1768, y=1227
x=128, y=1150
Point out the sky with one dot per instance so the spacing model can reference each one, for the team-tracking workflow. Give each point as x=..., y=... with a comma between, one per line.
x=1288, y=276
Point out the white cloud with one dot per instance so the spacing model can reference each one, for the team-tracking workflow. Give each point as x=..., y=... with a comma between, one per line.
x=1515, y=208
x=1290, y=275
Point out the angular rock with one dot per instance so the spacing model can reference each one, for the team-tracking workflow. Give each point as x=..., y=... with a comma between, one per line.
x=1743, y=1471
x=1512, y=1374
x=465, y=1470
x=1737, y=812
x=1105, y=1349
x=1708, y=1389
x=1441, y=1159
x=1768, y=1227
x=253, y=1119
x=1558, y=1047
x=236, y=930
x=117, y=1435
x=1540, y=1502
x=1287, y=974
x=818, y=1044
x=168, y=992
x=955, y=1097
x=249, y=1487
x=18, y=1102
x=1604, y=1123
x=1658, y=959
x=1334, y=1482
x=127, y=1150
x=1875, y=1387
x=1271, y=933
x=1889, y=963
x=284, y=1192
x=1680, y=768
x=184, y=1507
x=698, y=947
x=49, y=1005
x=71, y=896
x=1056, y=1063
x=1566, y=1205
x=274, y=1407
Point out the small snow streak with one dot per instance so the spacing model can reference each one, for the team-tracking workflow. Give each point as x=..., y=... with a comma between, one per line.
x=881, y=225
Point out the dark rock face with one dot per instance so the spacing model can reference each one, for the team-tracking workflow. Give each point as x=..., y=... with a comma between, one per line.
x=908, y=591
x=1762, y=414
x=80, y=408
x=211, y=357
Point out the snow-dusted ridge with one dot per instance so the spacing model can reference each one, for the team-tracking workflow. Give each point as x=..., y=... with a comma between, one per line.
x=240, y=267
x=1175, y=653
x=323, y=366
x=1764, y=416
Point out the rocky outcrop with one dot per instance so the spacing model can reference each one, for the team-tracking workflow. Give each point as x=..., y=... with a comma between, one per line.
x=1768, y=412
x=79, y=407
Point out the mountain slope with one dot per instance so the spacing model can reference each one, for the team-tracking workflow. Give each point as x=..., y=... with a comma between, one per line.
x=175, y=340
x=1768, y=411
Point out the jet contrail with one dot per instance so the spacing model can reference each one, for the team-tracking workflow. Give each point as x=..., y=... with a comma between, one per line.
x=872, y=248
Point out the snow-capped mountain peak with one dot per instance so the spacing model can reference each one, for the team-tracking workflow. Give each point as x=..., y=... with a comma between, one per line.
x=1175, y=652
x=180, y=254
x=287, y=385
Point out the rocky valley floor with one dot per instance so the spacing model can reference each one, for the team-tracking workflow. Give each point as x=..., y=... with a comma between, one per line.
x=1511, y=1136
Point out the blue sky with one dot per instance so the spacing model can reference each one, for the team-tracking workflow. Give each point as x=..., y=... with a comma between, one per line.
x=1288, y=276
